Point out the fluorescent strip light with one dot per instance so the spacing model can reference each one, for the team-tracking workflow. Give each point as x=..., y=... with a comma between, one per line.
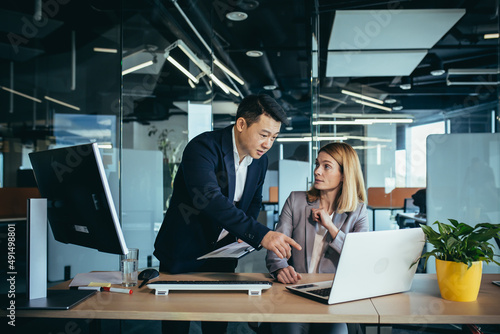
x=347, y=115
x=373, y=105
x=356, y=122
x=329, y=138
x=308, y=139
x=137, y=67
x=364, y=97
x=491, y=36
x=105, y=146
x=182, y=69
x=232, y=91
x=376, y=139
x=21, y=94
x=472, y=71
x=61, y=103
x=299, y=139
x=331, y=99
x=365, y=121
x=219, y=83
x=231, y=74
x=187, y=51
x=338, y=123
x=389, y=120
x=105, y=50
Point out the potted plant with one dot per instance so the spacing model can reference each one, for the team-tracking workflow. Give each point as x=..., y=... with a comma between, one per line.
x=460, y=250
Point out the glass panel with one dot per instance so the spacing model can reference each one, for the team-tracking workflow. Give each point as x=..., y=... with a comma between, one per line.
x=365, y=94
x=60, y=86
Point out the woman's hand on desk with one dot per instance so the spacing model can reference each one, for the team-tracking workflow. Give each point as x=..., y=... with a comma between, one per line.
x=288, y=275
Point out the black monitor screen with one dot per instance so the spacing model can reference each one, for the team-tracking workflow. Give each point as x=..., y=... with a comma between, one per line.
x=80, y=208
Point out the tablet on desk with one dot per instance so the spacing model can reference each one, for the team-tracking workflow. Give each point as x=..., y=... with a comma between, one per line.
x=235, y=250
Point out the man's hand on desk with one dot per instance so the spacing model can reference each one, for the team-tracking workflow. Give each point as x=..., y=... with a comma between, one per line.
x=288, y=275
x=279, y=244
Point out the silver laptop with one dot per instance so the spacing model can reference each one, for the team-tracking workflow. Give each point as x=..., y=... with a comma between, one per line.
x=371, y=264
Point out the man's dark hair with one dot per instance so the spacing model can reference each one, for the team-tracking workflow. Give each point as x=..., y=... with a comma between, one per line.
x=252, y=106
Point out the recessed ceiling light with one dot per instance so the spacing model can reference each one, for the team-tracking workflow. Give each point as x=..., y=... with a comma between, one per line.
x=237, y=16
x=405, y=86
x=254, y=53
x=289, y=128
x=397, y=108
x=438, y=72
x=270, y=87
x=390, y=100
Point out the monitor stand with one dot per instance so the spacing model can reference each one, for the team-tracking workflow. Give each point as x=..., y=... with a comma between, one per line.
x=37, y=296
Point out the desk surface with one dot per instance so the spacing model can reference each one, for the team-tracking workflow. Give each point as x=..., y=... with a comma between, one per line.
x=274, y=305
x=422, y=304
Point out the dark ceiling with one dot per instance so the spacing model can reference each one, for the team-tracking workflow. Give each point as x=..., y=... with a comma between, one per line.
x=281, y=29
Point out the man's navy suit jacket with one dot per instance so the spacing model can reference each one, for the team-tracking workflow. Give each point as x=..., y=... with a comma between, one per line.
x=202, y=203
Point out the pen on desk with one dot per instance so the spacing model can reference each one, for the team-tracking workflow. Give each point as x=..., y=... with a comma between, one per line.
x=95, y=288
x=127, y=291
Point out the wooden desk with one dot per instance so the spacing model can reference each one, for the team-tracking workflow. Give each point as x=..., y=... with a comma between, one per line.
x=274, y=305
x=424, y=305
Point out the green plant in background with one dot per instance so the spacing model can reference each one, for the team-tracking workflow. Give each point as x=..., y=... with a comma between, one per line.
x=460, y=242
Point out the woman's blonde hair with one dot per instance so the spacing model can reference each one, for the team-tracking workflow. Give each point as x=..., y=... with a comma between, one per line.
x=352, y=190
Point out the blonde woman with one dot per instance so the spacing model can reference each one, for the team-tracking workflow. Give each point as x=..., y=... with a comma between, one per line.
x=319, y=220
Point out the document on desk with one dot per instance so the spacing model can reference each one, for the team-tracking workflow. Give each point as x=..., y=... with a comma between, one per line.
x=84, y=279
x=231, y=251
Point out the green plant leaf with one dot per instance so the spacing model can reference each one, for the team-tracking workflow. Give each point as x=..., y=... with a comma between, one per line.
x=460, y=242
x=453, y=222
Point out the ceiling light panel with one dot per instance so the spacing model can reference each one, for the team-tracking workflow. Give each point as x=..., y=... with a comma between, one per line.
x=373, y=63
x=391, y=29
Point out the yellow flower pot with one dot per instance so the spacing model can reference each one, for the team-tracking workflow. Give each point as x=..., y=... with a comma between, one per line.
x=456, y=282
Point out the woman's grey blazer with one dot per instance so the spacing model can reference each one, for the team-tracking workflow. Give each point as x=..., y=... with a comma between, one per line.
x=296, y=222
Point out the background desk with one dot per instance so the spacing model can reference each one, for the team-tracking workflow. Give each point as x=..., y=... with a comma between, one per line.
x=375, y=208
x=422, y=305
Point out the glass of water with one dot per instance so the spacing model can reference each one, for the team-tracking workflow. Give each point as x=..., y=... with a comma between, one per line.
x=129, y=267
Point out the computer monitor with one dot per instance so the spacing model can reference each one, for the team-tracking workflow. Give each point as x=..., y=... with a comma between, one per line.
x=80, y=207
x=80, y=211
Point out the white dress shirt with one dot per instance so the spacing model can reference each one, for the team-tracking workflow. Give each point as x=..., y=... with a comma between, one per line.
x=241, y=170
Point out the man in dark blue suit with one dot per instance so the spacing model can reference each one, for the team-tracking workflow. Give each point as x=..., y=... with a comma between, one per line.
x=218, y=192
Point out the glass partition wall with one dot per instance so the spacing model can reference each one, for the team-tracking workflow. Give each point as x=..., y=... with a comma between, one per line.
x=60, y=81
x=390, y=76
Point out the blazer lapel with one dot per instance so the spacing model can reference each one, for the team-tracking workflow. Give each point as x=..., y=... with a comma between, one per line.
x=250, y=184
x=310, y=232
x=227, y=150
x=339, y=219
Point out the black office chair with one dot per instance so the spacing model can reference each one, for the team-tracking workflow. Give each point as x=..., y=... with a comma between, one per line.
x=408, y=207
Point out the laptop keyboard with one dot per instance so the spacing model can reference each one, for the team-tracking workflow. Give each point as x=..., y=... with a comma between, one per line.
x=321, y=292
